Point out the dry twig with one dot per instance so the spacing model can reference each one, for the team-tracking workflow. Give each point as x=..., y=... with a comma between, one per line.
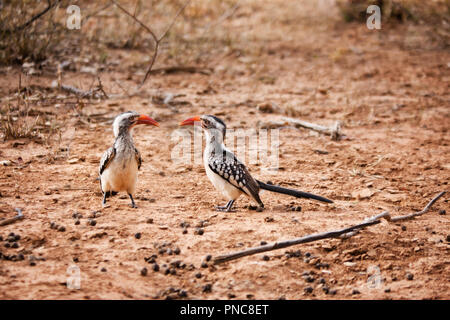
x=50, y=6
x=155, y=38
x=18, y=217
x=334, y=132
x=325, y=235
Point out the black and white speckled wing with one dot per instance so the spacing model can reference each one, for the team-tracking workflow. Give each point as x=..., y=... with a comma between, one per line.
x=235, y=172
x=138, y=158
x=107, y=157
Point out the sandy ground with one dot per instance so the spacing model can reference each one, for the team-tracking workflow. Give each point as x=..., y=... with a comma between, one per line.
x=391, y=95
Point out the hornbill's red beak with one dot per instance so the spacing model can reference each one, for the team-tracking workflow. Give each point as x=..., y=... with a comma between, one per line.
x=143, y=119
x=190, y=121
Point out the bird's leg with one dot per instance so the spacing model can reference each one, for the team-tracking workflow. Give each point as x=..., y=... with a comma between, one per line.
x=133, y=205
x=226, y=208
x=105, y=195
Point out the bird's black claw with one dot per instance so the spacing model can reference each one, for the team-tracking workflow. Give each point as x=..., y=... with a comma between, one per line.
x=224, y=209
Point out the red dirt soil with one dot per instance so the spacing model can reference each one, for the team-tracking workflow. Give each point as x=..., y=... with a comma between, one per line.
x=393, y=102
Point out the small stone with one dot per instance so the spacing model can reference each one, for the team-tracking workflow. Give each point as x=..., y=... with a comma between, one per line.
x=204, y=265
x=333, y=291
x=309, y=279
x=326, y=289
x=269, y=219
x=307, y=254
x=62, y=229
x=173, y=271
x=387, y=290
x=355, y=291
x=182, y=293
x=77, y=222
x=207, y=287
x=20, y=257
x=447, y=238
x=199, y=231
x=144, y=272
x=184, y=224
x=103, y=270
x=403, y=228
x=263, y=243
x=208, y=257
x=308, y=289
x=185, y=231
x=15, y=245
x=7, y=245
x=17, y=237
x=75, y=259
x=442, y=212
x=149, y=220
x=32, y=263
x=166, y=271
x=266, y=258
x=409, y=276
x=198, y=275
x=177, y=251
x=138, y=235
x=322, y=280
x=92, y=222
x=155, y=267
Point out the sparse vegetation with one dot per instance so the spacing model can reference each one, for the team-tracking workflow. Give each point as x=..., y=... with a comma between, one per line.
x=23, y=38
x=16, y=128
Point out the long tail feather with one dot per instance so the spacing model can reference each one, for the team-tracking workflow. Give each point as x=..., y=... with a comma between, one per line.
x=291, y=192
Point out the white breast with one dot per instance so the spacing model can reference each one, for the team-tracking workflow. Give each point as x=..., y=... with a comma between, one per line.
x=121, y=175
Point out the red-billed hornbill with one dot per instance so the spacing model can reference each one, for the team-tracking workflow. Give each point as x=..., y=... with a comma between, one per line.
x=227, y=173
x=120, y=163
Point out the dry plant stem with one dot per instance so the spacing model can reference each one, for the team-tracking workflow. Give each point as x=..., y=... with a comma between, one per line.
x=84, y=94
x=223, y=17
x=416, y=214
x=18, y=217
x=334, y=132
x=319, y=236
x=50, y=6
x=179, y=69
x=155, y=38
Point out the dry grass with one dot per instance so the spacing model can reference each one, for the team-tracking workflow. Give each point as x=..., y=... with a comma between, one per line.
x=32, y=43
x=18, y=128
x=436, y=11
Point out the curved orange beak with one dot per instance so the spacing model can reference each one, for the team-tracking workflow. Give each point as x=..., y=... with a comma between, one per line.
x=143, y=119
x=190, y=121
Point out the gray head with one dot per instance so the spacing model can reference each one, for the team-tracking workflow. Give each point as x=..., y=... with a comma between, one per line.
x=125, y=121
x=211, y=124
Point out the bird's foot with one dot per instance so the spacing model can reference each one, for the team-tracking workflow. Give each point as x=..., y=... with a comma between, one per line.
x=133, y=205
x=224, y=209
